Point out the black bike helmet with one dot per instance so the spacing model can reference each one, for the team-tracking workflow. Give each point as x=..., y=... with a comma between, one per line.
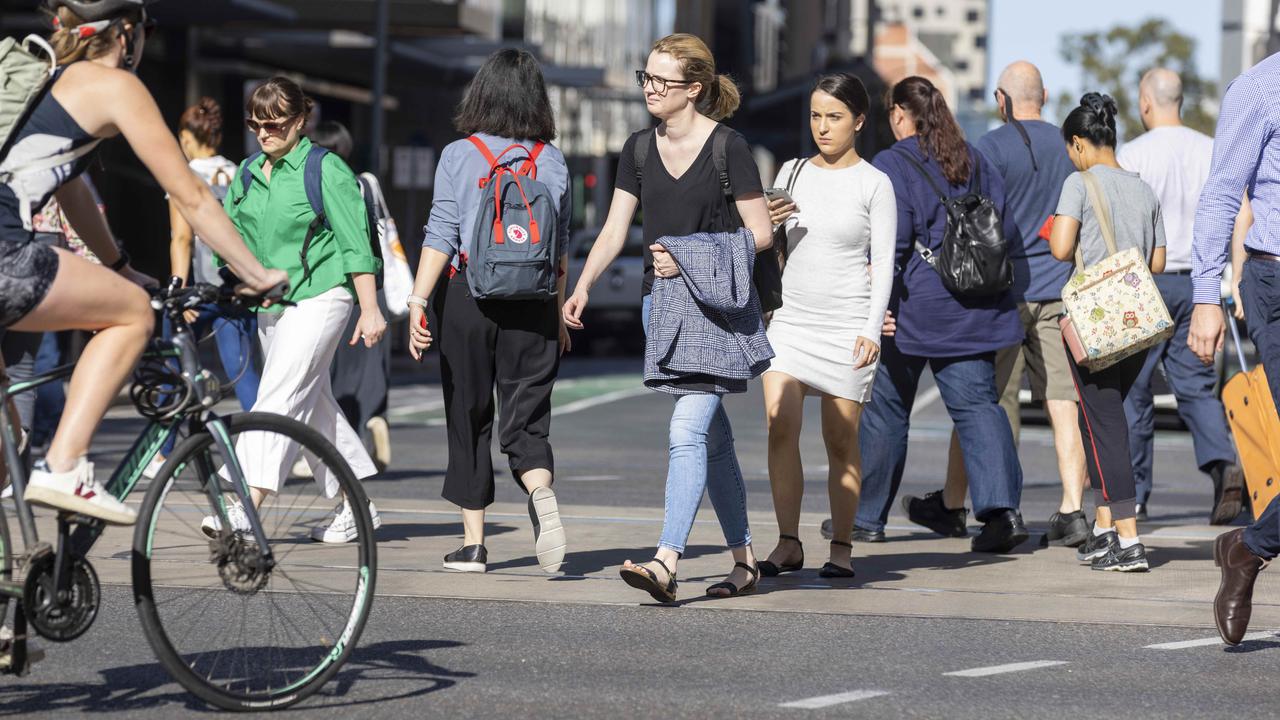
x=97, y=10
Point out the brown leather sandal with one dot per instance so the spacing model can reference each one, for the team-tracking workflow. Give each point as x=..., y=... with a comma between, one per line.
x=642, y=578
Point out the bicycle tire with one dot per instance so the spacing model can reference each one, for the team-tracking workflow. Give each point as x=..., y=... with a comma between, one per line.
x=149, y=518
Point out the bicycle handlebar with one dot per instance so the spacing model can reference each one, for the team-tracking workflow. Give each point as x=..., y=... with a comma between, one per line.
x=176, y=297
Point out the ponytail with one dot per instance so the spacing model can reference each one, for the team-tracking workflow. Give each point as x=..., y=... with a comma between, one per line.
x=721, y=100
x=940, y=134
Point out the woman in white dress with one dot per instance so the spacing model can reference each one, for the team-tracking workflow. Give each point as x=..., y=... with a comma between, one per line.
x=841, y=224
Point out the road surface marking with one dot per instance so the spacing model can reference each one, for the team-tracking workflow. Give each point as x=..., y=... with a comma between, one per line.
x=1002, y=669
x=822, y=701
x=604, y=399
x=1184, y=644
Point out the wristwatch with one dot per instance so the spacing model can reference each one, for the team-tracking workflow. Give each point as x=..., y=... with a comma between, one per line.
x=119, y=264
x=416, y=300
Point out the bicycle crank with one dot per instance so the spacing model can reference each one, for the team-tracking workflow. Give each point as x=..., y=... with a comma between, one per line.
x=60, y=616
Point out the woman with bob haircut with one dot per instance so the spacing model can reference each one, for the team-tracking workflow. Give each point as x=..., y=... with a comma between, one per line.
x=93, y=95
x=513, y=344
x=680, y=189
x=841, y=225
x=336, y=270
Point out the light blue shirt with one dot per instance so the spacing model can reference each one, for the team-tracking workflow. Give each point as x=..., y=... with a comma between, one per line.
x=456, y=203
x=1246, y=156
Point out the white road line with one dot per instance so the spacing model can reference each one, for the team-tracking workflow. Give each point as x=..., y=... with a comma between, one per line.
x=822, y=701
x=1001, y=669
x=927, y=398
x=604, y=399
x=427, y=406
x=1184, y=644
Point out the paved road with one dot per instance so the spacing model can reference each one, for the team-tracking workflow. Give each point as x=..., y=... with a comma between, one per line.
x=517, y=643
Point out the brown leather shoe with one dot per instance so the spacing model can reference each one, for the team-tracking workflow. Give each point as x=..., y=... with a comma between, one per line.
x=1233, y=605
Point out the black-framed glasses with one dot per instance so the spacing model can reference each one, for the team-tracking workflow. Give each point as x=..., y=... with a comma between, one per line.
x=660, y=84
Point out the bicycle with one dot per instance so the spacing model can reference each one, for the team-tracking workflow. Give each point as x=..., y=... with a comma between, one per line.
x=222, y=608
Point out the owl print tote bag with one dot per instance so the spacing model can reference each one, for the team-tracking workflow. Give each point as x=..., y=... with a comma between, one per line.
x=1113, y=308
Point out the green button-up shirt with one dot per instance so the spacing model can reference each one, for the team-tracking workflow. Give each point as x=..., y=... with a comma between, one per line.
x=274, y=216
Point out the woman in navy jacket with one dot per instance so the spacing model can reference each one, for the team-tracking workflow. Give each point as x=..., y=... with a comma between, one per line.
x=956, y=337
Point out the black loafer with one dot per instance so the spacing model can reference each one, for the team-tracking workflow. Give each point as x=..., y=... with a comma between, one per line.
x=469, y=558
x=1002, y=532
x=930, y=512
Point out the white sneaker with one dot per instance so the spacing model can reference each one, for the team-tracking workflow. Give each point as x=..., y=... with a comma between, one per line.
x=381, y=434
x=153, y=468
x=301, y=468
x=342, y=528
x=212, y=524
x=76, y=491
x=548, y=533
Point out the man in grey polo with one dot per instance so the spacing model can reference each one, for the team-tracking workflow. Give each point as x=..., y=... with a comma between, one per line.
x=1174, y=160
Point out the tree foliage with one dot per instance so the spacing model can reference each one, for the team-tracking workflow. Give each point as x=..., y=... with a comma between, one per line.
x=1113, y=62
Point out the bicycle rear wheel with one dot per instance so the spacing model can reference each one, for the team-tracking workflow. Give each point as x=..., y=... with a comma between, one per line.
x=238, y=636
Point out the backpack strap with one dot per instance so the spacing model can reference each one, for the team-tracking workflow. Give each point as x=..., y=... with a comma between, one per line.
x=1017, y=125
x=719, y=155
x=246, y=176
x=312, y=177
x=530, y=167
x=642, y=152
x=527, y=168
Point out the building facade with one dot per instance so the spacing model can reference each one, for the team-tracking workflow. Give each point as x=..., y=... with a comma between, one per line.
x=1249, y=34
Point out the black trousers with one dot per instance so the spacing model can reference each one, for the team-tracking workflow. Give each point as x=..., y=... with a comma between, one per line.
x=361, y=376
x=515, y=346
x=1106, y=432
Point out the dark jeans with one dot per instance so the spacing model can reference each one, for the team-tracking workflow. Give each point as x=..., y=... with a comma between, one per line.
x=361, y=377
x=1260, y=292
x=20, y=350
x=968, y=387
x=1106, y=431
x=1194, y=384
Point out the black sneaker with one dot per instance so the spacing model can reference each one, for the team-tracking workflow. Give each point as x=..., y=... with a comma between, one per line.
x=1097, y=545
x=1067, y=529
x=1001, y=533
x=1228, y=493
x=1141, y=512
x=1117, y=559
x=469, y=558
x=859, y=534
x=931, y=513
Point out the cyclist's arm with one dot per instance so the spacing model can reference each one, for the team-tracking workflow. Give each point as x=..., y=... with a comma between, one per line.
x=135, y=114
x=181, y=240
x=81, y=208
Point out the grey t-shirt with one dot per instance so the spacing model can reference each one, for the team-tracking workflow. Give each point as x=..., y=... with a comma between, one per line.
x=1135, y=212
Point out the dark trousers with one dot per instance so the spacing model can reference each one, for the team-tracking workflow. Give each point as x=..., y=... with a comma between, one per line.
x=968, y=388
x=1260, y=293
x=361, y=377
x=1106, y=432
x=514, y=345
x=1194, y=384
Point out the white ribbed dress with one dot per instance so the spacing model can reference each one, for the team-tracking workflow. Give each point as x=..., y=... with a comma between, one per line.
x=847, y=219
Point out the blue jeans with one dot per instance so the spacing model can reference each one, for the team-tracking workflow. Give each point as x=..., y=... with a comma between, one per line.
x=50, y=397
x=1260, y=291
x=1194, y=385
x=701, y=457
x=968, y=387
x=235, y=333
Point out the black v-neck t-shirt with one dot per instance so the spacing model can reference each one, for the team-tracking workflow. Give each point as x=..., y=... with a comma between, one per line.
x=694, y=202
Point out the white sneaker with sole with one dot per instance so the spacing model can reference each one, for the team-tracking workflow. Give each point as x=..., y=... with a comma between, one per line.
x=78, y=492
x=548, y=533
x=342, y=528
x=381, y=434
x=212, y=524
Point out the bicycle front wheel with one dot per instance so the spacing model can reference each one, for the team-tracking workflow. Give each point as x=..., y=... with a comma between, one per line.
x=235, y=632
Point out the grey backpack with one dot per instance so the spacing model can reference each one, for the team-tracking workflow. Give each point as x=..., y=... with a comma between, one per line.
x=516, y=244
x=23, y=76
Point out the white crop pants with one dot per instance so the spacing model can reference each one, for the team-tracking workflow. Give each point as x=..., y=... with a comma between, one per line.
x=298, y=346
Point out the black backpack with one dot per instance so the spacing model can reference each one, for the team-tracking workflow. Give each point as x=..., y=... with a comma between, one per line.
x=767, y=275
x=974, y=258
x=312, y=175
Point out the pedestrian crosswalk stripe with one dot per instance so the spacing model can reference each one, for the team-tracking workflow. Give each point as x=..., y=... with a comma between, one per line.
x=822, y=701
x=1001, y=669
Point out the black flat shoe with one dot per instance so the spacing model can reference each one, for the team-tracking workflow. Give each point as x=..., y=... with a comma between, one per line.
x=771, y=569
x=832, y=570
x=469, y=558
x=734, y=590
x=929, y=511
x=642, y=578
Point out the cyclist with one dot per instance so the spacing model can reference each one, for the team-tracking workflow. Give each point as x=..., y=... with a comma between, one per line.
x=93, y=95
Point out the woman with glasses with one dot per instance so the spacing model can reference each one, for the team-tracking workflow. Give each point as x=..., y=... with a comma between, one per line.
x=327, y=276
x=680, y=188
x=93, y=95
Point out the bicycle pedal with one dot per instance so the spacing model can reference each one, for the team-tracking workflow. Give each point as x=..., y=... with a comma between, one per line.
x=72, y=518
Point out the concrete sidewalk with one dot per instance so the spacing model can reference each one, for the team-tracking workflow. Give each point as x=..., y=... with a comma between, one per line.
x=914, y=574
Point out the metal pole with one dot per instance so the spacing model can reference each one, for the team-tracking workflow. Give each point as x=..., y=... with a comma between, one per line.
x=377, y=131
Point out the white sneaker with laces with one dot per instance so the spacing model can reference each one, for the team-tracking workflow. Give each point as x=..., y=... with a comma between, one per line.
x=76, y=491
x=342, y=528
x=212, y=524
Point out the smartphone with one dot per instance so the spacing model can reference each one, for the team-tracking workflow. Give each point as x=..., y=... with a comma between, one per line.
x=774, y=193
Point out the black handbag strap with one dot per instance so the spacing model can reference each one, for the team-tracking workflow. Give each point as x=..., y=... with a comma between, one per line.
x=1017, y=125
x=795, y=172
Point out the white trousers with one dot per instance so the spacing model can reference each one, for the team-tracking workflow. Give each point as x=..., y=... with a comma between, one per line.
x=298, y=346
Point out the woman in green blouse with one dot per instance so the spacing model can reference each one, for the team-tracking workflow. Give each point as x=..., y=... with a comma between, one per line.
x=338, y=269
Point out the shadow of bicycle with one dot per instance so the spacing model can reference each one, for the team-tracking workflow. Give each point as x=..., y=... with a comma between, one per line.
x=381, y=672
